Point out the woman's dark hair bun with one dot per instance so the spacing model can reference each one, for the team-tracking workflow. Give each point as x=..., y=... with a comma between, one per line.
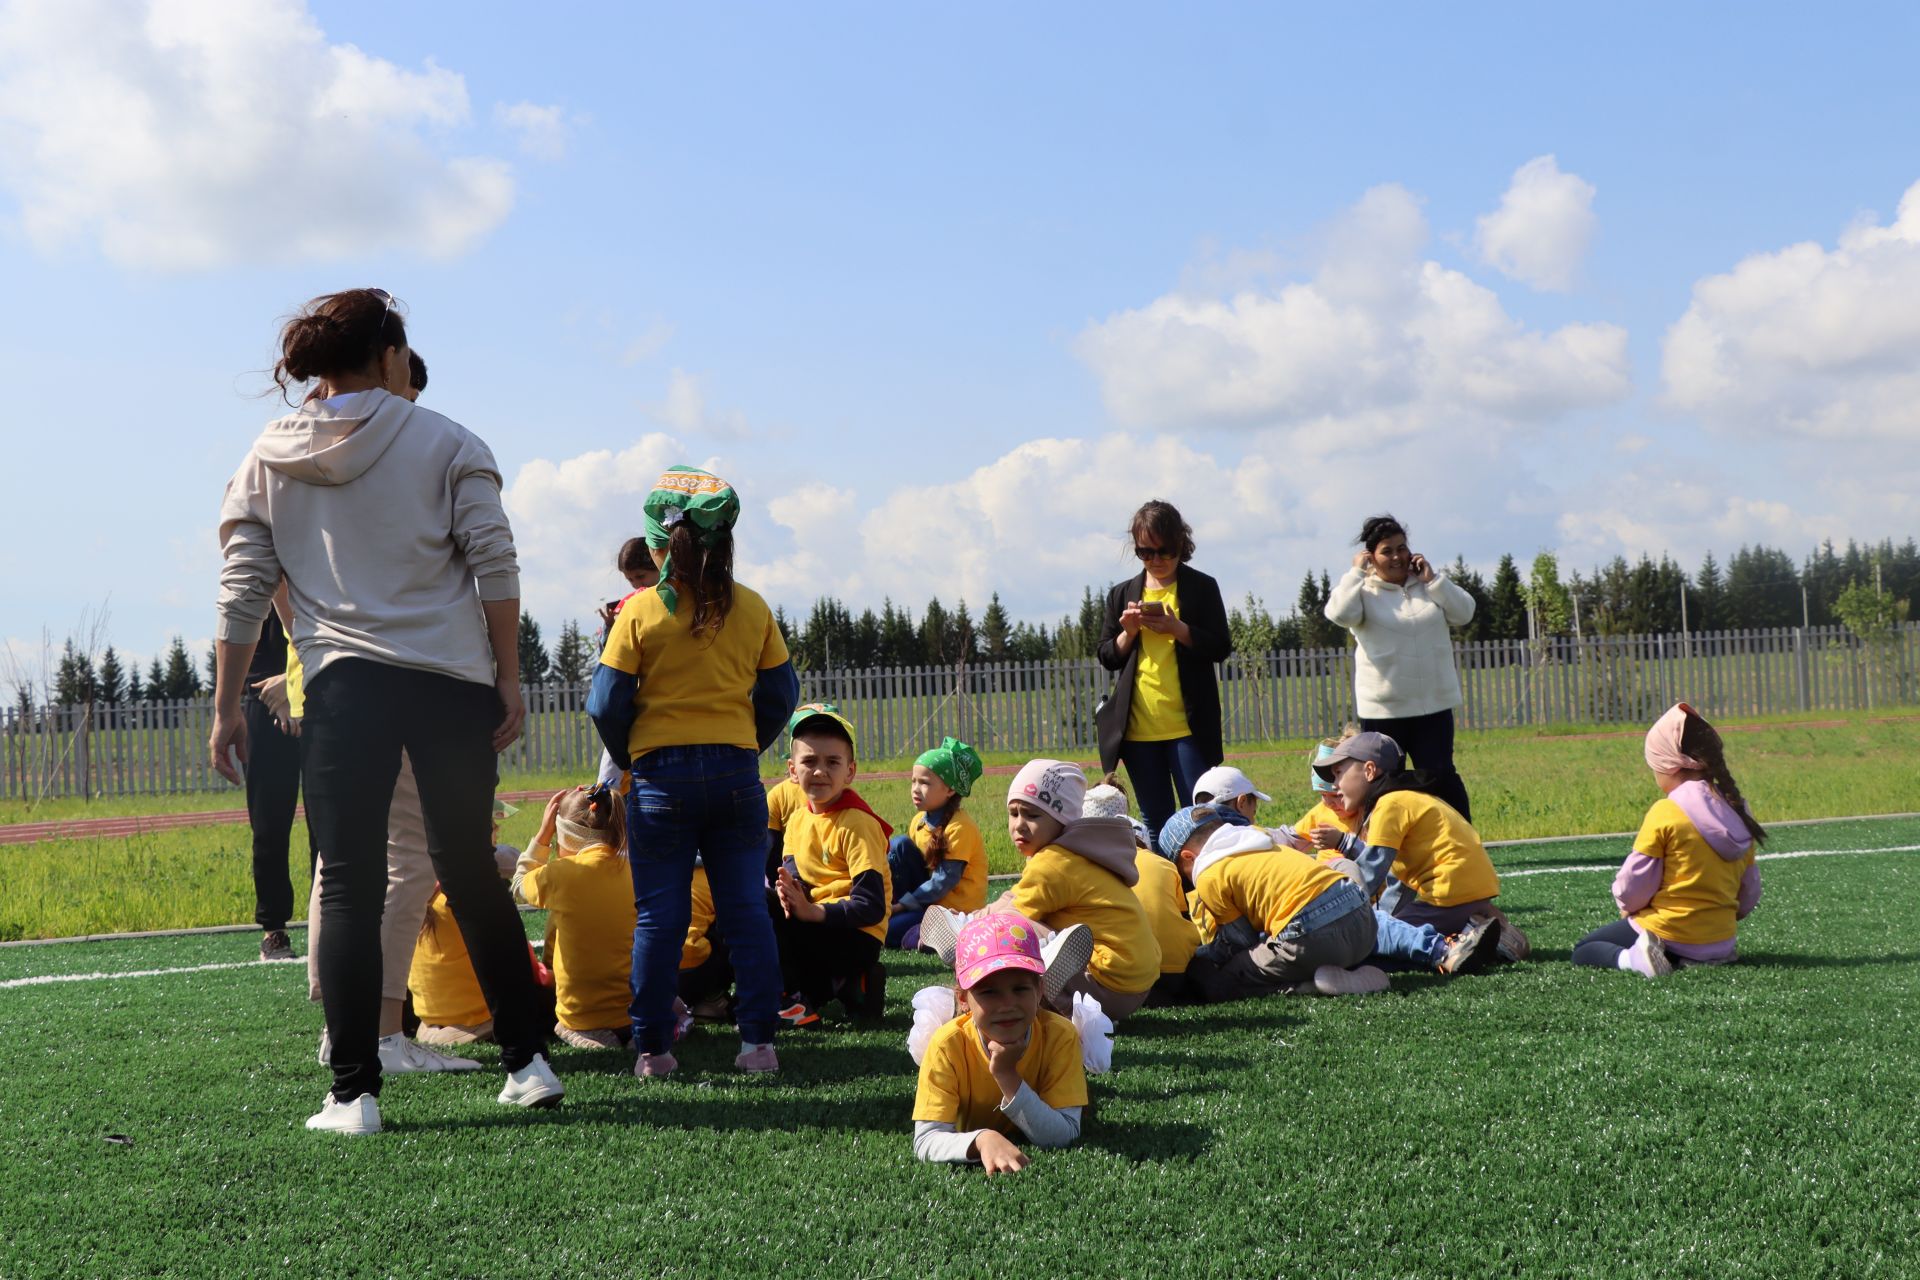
x=336, y=333
x=1378, y=529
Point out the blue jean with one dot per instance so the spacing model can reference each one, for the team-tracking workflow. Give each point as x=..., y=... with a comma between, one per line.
x=1406, y=946
x=1162, y=775
x=909, y=871
x=704, y=800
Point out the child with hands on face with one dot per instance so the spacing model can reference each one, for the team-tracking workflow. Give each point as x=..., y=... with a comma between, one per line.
x=1005, y=1066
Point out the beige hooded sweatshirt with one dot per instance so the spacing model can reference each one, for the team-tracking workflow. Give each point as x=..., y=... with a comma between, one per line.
x=385, y=519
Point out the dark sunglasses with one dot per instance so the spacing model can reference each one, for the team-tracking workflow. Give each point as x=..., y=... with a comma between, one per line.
x=1152, y=553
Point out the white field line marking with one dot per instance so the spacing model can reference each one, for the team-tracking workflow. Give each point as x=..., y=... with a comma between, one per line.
x=47, y=979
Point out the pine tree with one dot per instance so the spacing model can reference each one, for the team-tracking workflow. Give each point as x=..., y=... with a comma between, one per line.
x=995, y=632
x=534, y=663
x=1707, y=603
x=935, y=634
x=1310, y=610
x=181, y=680
x=156, y=681
x=1251, y=628
x=572, y=656
x=71, y=686
x=113, y=678
x=1474, y=585
x=962, y=641
x=865, y=644
x=213, y=666
x=1507, y=603
x=25, y=717
x=899, y=642
x=136, y=691
x=1093, y=616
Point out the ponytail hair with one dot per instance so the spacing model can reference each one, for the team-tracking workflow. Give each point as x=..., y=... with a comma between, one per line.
x=1425, y=781
x=937, y=820
x=596, y=809
x=1702, y=741
x=706, y=573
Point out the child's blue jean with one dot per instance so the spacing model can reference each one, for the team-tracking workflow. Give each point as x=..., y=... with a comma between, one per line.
x=1406, y=946
x=704, y=800
x=909, y=871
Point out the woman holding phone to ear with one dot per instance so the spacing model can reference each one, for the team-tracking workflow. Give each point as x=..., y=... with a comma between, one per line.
x=1404, y=683
x=1165, y=629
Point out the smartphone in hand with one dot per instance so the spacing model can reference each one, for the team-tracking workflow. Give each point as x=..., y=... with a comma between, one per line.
x=1154, y=608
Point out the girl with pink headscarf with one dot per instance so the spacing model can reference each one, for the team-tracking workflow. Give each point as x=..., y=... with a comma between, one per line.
x=1691, y=876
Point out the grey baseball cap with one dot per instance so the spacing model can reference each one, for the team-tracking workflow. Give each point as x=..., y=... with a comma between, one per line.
x=1376, y=748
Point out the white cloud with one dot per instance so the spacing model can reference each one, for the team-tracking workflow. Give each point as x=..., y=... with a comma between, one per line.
x=543, y=131
x=186, y=134
x=1540, y=233
x=684, y=409
x=1809, y=343
x=650, y=343
x=1379, y=337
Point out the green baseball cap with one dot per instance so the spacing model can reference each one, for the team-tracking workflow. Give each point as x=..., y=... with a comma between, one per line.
x=820, y=711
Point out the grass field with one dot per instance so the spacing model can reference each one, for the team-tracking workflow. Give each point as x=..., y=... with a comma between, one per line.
x=1541, y=1120
x=1523, y=785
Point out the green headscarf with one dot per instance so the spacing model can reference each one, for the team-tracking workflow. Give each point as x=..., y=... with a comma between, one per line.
x=956, y=764
x=687, y=494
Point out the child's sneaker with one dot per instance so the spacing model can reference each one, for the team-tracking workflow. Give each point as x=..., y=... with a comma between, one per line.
x=1473, y=947
x=361, y=1116
x=1066, y=954
x=682, y=1019
x=1332, y=980
x=1514, y=945
x=275, y=945
x=799, y=1013
x=400, y=1056
x=940, y=932
x=598, y=1038
x=865, y=996
x=1648, y=956
x=533, y=1085
x=758, y=1060
x=431, y=1033
x=652, y=1066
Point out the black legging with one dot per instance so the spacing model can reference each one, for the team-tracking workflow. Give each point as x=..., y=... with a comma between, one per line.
x=1428, y=743
x=273, y=792
x=1601, y=949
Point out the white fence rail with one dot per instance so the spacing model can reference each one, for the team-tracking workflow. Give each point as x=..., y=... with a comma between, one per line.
x=160, y=747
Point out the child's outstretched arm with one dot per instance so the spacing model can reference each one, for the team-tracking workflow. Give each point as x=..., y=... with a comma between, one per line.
x=1374, y=861
x=939, y=1142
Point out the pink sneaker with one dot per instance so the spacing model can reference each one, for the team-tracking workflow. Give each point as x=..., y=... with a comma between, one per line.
x=682, y=1019
x=758, y=1060
x=651, y=1066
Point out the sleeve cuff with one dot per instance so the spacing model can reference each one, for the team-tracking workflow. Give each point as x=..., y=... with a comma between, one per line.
x=499, y=586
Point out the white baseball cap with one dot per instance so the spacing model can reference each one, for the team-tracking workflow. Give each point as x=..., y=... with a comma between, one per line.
x=1223, y=783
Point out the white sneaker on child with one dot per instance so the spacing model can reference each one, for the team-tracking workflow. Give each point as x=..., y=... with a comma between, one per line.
x=1648, y=956
x=400, y=1056
x=1066, y=953
x=533, y=1085
x=1365, y=980
x=940, y=932
x=361, y=1116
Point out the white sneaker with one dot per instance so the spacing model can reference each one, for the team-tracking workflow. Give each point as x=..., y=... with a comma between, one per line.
x=400, y=1056
x=362, y=1115
x=940, y=932
x=1365, y=980
x=1648, y=956
x=533, y=1085
x=1066, y=953
x=326, y=1048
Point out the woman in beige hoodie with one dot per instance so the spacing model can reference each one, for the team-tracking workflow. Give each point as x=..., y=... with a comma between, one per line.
x=384, y=518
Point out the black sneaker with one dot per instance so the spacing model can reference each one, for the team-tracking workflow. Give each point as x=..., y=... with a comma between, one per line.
x=274, y=945
x=1474, y=947
x=865, y=996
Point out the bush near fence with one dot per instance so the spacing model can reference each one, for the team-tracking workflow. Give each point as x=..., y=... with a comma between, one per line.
x=1048, y=707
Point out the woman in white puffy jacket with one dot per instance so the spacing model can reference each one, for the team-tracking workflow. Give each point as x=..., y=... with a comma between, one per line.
x=1404, y=683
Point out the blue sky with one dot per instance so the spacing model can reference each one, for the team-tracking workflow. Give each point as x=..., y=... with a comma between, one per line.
x=872, y=260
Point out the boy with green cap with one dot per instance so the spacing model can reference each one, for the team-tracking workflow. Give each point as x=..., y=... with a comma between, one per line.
x=830, y=902
x=942, y=860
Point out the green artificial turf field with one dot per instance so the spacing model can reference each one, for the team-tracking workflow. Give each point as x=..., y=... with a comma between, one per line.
x=1540, y=1120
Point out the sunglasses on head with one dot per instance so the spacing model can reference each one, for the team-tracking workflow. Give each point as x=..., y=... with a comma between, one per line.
x=1152, y=553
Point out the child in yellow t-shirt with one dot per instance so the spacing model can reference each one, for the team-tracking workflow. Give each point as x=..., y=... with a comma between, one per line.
x=829, y=904
x=942, y=859
x=586, y=887
x=706, y=971
x=1691, y=877
x=784, y=799
x=442, y=988
x=1005, y=1067
x=1161, y=895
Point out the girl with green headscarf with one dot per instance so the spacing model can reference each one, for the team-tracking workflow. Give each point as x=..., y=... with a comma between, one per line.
x=942, y=859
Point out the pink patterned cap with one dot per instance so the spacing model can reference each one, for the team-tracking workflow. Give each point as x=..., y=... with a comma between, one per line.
x=995, y=941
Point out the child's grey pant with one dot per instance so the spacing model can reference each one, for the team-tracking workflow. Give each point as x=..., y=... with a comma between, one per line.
x=1286, y=962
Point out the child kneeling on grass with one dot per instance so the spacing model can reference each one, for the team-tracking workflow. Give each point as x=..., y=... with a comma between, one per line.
x=1281, y=921
x=441, y=984
x=942, y=860
x=830, y=904
x=1161, y=894
x=1005, y=1066
x=1691, y=877
x=587, y=890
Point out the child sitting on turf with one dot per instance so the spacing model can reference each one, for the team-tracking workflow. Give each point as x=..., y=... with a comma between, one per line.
x=442, y=987
x=1225, y=785
x=942, y=860
x=1691, y=876
x=1078, y=884
x=1160, y=892
x=1005, y=1066
x=706, y=971
x=784, y=799
x=587, y=891
x=1312, y=927
x=1419, y=858
x=830, y=902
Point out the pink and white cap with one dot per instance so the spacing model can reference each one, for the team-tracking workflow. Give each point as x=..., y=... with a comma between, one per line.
x=995, y=941
x=1053, y=786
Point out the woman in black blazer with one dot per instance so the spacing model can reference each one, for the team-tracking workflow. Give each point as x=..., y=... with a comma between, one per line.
x=1165, y=629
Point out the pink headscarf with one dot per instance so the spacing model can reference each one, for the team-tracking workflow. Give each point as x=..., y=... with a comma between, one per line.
x=1663, y=742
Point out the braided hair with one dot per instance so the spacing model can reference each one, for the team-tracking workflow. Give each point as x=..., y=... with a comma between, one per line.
x=1702, y=741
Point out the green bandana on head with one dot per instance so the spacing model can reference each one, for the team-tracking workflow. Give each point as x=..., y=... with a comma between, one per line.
x=687, y=495
x=955, y=763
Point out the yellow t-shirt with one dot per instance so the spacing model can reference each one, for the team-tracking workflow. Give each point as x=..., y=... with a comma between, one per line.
x=1158, y=712
x=1325, y=815
x=1165, y=901
x=696, y=949
x=1440, y=854
x=692, y=691
x=965, y=843
x=590, y=932
x=1268, y=887
x=957, y=1089
x=832, y=848
x=1699, y=890
x=445, y=991
x=784, y=799
x=296, y=684
x=1058, y=888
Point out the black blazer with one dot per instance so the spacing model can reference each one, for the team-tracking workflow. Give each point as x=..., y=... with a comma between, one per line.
x=1206, y=616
